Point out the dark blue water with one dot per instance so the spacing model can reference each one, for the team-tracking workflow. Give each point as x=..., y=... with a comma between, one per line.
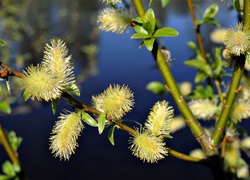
x=119, y=61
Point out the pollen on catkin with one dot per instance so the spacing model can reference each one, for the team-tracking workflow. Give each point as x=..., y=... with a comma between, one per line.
x=203, y=108
x=56, y=59
x=237, y=39
x=240, y=110
x=114, y=20
x=115, y=101
x=147, y=147
x=65, y=134
x=39, y=83
x=159, y=119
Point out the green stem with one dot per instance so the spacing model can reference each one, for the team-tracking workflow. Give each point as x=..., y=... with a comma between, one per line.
x=193, y=124
x=221, y=123
x=247, y=13
x=7, y=147
x=197, y=29
x=183, y=156
x=238, y=71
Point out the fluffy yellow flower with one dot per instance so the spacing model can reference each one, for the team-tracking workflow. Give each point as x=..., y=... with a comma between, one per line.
x=113, y=20
x=39, y=83
x=65, y=134
x=48, y=80
x=159, y=119
x=57, y=61
x=147, y=147
x=115, y=101
x=203, y=108
x=240, y=110
x=237, y=40
x=218, y=35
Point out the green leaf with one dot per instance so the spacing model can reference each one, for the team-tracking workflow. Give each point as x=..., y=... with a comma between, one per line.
x=238, y=6
x=73, y=88
x=139, y=36
x=163, y=32
x=26, y=96
x=101, y=122
x=200, y=77
x=2, y=43
x=54, y=103
x=17, y=168
x=201, y=65
x=150, y=2
x=149, y=21
x=15, y=141
x=218, y=62
x=211, y=11
x=4, y=177
x=138, y=20
x=149, y=43
x=248, y=57
x=208, y=21
x=202, y=93
x=156, y=87
x=8, y=169
x=140, y=30
x=70, y=102
x=88, y=119
x=111, y=134
x=164, y=3
x=5, y=107
x=193, y=46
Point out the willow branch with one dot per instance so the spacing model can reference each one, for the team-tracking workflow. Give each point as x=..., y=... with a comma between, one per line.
x=8, y=71
x=96, y=112
x=4, y=140
x=183, y=156
x=192, y=123
x=233, y=91
x=197, y=29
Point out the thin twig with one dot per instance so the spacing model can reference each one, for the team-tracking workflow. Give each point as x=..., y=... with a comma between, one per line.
x=4, y=140
x=197, y=29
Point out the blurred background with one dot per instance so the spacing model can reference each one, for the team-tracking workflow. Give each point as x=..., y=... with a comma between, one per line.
x=100, y=59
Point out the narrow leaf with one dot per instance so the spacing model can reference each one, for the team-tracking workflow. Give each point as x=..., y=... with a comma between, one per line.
x=164, y=32
x=200, y=76
x=111, y=134
x=238, y=6
x=164, y=3
x=149, y=43
x=74, y=89
x=101, y=122
x=89, y=120
x=200, y=65
x=218, y=62
x=211, y=11
x=2, y=43
x=26, y=96
x=156, y=87
x=8, y=169
x=140, y=30
x=54, y=103
x=139, y=36
x=149, y=18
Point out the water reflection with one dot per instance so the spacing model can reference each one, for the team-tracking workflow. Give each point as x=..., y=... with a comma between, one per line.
x=119, y=61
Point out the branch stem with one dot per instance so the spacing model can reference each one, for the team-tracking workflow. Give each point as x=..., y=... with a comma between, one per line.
x=192, y=123
x=4, y=140
x=197, y=29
